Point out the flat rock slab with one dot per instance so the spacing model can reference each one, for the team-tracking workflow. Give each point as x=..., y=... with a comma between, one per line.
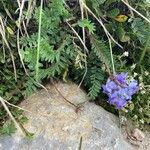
x=57, y=125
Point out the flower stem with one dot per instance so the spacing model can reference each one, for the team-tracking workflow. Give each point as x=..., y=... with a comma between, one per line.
x=146, y=46
x=111, y=55
x=39, y=39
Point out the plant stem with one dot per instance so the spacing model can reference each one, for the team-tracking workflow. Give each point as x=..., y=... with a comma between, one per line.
x=11, y=116
x=101, y=23
x=146, y=46
x=39, y=39
x=111, y=55
x=130, y=7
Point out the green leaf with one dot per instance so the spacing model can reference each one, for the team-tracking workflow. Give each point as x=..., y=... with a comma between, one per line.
x=87, y=23
x=96, y=6
x=113, y=13
x=8, y=129
x=10, y=31
x=140, y=29
x=122, y=34
x=96, y=79
x=101, y=50
x=109, y=2
x=125, y=38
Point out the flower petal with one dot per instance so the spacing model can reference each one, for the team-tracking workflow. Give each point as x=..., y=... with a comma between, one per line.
x=122, y=78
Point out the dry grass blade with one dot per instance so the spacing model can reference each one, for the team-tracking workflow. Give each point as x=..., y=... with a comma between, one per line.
x=82, y=17
x=21, y=59
x=31, y=6
x=83, y=75
x=78, y=37
x=106, y=32
x=7, y=11
x=11, y=116
x=2, y=32
x=18, y=3
x=130, y=7
x=83, y=33
x=20, y=20
x=131, y=11
x=85, y=61
x=101, y=23
x=21, y=6
x=16, y=106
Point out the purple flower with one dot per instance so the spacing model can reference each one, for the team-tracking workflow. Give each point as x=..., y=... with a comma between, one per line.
x=122, y=78
x=133, y=87
x=118, y=102
x=109, y=87
x=124, y=93
x=119, y=90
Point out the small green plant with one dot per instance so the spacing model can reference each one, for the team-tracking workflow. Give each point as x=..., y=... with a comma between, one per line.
x=88, y=24
x=139, y=109
x=8, y=129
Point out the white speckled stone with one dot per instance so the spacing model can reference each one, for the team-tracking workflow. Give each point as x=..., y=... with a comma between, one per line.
x=58, y=127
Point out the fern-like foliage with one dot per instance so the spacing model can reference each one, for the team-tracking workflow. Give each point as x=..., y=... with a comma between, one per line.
x=100, y=54
x=101, y=50
x=95, y=76
x=88, y=24
x=52, y=17
x=53, y=61
x=96, y=80
x=56, y=48
x=58, y=53
x=95, y=4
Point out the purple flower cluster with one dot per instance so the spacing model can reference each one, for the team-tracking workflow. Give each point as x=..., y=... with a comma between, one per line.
x=120, y=90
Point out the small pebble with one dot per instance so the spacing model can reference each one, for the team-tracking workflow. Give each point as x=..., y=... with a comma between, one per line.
x=138, y=134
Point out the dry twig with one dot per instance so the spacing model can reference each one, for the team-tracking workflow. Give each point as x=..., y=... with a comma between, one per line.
x=11, y=116
x=130, y=7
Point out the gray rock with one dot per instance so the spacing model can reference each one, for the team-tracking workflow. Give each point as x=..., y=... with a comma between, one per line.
x=57, y=125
